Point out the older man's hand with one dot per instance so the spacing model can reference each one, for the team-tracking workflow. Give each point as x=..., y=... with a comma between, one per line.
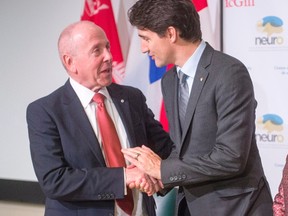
x=135, y=178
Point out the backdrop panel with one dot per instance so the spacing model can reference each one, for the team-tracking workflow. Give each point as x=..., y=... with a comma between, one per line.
x=255, y=31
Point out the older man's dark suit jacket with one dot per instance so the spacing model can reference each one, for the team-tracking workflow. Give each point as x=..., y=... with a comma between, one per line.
x=67, y=158
x=216, y=161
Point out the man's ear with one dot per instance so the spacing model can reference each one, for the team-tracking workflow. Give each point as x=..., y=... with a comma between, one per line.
x=172, y=34
x=69, y=63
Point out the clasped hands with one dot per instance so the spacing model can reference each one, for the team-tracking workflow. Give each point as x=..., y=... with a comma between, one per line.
x=144, y=171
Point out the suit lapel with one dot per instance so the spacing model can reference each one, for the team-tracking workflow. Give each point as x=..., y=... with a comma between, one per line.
x=198, y=84
x=171, y=90
x=81, y=120
x=176, y=108
x=121, y=102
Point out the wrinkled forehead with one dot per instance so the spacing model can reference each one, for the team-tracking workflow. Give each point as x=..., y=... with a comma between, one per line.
x=89, y=34
x=88, y=30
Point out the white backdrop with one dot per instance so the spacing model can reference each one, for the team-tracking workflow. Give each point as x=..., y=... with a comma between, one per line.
x=256, y=32
x=30, y=68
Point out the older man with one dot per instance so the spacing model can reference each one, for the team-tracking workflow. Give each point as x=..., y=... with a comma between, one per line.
x=68, y=138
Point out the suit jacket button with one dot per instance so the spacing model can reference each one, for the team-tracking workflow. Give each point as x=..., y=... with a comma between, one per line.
x=171, y=178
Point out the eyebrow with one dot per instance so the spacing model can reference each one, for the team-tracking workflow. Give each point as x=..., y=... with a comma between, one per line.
x=99, y=45
x=143, y=36
x=94, y=47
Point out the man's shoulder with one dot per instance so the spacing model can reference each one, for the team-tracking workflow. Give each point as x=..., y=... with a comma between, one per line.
x=51, y=98
x=124, y=88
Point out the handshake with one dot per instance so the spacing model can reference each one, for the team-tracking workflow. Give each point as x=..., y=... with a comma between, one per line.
x=144, y=171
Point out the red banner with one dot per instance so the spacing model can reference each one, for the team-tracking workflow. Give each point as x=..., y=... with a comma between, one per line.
x=200, y=4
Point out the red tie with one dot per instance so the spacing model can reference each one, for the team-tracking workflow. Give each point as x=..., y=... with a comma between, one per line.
x=112, y=147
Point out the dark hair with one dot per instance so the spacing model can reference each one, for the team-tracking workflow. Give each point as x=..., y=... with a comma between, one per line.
x=158, y=15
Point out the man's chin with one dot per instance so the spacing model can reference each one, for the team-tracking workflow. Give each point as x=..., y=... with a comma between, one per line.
x=110, y=81
x=107, y=79
x=159, y=64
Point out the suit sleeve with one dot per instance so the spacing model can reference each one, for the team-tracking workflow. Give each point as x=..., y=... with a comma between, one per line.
x=158, y=140
x=154, y=135
x=62, y=174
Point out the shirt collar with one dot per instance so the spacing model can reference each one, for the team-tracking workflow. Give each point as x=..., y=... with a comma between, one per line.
x=190, y=66
x=84, y=94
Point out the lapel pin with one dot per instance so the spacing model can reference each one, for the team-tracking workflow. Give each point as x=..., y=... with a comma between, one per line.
x=201, y=79
x=122, y=100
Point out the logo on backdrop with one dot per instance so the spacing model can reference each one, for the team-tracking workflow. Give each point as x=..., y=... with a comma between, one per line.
x=272, y=28
x=239, y=3
x=270, y=129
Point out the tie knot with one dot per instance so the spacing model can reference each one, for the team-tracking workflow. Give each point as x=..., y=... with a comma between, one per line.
x=182, y=77
x=98, y=98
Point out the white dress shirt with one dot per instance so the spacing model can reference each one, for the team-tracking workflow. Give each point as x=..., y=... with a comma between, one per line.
x=190, y=66
x=85, y=96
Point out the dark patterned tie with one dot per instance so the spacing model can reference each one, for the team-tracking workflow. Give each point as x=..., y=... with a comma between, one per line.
x=112, y=147
x=183, y=96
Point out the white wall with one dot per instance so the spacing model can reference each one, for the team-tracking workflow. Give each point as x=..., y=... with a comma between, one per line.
x=29, y=68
